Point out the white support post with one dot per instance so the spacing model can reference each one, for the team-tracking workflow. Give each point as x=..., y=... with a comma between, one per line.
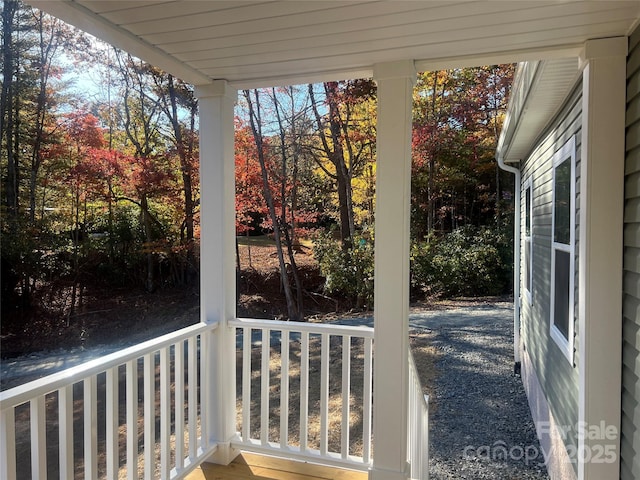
x=217, y=277
x=600, y=257
x=393, y=190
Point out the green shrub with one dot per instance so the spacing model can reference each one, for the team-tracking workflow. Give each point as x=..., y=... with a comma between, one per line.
x=348, y=272
x=468, y=261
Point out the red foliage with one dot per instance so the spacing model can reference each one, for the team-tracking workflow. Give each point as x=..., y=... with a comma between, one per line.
x=249, y=195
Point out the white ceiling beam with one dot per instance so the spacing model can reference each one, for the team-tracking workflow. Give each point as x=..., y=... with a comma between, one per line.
x=303, y=78
x=498, y=58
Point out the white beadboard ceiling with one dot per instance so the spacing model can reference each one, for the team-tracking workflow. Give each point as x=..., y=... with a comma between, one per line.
x=264, y=43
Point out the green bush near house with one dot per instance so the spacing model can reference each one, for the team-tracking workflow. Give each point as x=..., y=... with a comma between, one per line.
x=469, y=261
x=347, y=271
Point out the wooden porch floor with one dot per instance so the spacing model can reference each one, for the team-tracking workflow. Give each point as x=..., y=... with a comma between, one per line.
x=253, y=466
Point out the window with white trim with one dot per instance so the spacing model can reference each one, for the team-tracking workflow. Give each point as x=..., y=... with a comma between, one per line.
x=563, y=226
x=528, y=241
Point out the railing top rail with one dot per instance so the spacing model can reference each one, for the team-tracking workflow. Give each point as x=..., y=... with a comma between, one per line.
x=331, y=329
x=23, y=393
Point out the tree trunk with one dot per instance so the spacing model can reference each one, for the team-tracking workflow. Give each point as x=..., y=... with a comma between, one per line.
x=283, y=218
x=431, y=211
x=7, y=126
x=185, y=166
x=146, y=224
x=335, y=154
x=255, y=121
x=46, y=50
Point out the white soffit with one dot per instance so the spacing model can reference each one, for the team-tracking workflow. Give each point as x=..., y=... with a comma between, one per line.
x=252, y=43
x=538, y=92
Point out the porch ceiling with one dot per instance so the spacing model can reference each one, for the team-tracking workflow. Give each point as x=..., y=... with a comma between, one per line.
x=262, y=43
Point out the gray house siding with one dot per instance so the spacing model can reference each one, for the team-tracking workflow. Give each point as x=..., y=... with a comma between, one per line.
x=630, y=427
x=558, y=377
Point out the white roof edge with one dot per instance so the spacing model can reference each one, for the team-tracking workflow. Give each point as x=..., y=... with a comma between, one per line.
x=530, y=111
x=522, y=82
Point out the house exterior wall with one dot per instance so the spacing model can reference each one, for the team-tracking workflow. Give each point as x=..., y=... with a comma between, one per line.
x=552, y=380
x=630, y=423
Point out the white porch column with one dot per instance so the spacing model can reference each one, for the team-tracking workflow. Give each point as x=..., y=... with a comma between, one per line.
x=217, y=268
x=391, y=311
x=600, y=255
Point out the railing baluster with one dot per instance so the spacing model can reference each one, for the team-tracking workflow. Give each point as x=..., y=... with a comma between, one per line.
x=111, y=410
x=132, y=419
x=425, y=447
x=284, y=389
x=179, y=403
x=417, y=412
x=95, y=411
x=346, y=394
x=413, y=428
x=324, y=394
x=304, y=390
x=264, y=387
x=90, y=404
x=366, y=400
x=165, y=414
x=246, y=383
x=204, y=380
x=418, y=425
x=38, y=440
x=192, y=392
x=65, y=432
x=415, y=433
x=8, y=443
x=149, y=416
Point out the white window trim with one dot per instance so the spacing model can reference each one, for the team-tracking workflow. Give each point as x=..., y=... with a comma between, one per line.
x=528, y=292
x=566, y=345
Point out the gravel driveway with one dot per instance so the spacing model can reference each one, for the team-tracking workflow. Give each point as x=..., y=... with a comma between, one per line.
x=480, y=424
x=481, y=427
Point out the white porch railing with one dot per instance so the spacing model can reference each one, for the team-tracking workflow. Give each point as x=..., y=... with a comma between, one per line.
x=306, y=391
x=418, y=428
x=132, y=414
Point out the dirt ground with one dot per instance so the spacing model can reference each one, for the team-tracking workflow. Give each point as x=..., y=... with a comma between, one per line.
x=133, y=315
x=129, y=316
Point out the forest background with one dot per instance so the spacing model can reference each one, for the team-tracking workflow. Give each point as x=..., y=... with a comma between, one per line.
x=100, y=190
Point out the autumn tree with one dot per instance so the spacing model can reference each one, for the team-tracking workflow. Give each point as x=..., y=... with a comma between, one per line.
x=335, y=130
x=457, y=117
x=149, y=173
x=32, y=47
x=84, y=138
x=53, y=36
x=280, y=228
x=10, y=198
x=180, y=108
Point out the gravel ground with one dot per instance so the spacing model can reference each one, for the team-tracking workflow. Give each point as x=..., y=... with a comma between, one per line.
x=480, y=423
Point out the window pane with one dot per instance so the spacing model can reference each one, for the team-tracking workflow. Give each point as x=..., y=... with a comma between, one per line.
x=561, y=293
x=562, y=203
x=527, y=212
x=527, y=263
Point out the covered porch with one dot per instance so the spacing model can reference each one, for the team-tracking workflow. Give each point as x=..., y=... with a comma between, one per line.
x=187, y=396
